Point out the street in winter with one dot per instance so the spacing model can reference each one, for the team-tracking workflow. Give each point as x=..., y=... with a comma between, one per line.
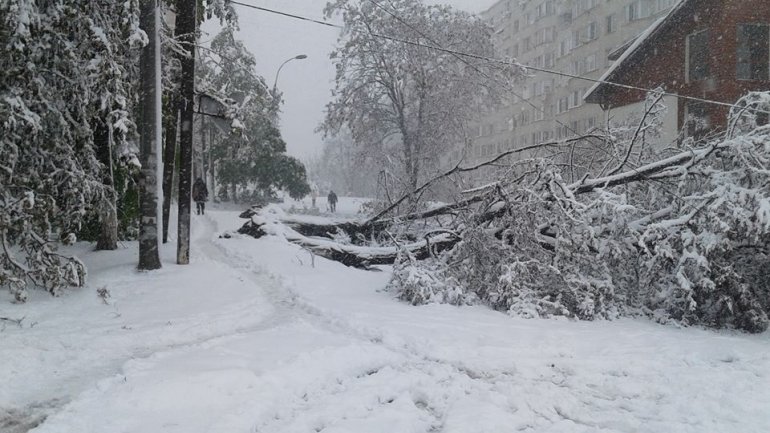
x=385, y=216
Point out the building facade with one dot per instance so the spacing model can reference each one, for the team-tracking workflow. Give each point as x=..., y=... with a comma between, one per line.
x=575, y=37
x=717, y=50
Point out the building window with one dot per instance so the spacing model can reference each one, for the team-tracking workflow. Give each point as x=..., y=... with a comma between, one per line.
x=640, y=9
x=575, y=99
x=591, y=63
x=592, y=31
x=563, y=105
x=753, y=52
x=634, y=10
x=698, y=56
x=610, y=23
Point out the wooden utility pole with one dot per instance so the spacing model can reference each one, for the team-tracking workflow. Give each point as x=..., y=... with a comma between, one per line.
x=150, y=127
x=186, y=28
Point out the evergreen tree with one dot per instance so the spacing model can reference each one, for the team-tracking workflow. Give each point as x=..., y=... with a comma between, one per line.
x=62, y=98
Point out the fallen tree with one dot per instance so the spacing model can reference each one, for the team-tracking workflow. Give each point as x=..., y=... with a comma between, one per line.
x=681, y=237
x=318, y=239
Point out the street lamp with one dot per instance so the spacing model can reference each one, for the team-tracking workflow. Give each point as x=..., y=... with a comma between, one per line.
x=275, y=82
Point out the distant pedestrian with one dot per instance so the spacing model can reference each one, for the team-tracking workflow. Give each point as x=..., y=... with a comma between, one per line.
x=332, y=198
x=200, y=195
x=313, y=195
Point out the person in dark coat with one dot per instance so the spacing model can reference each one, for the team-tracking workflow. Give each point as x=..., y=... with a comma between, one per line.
x=332, y=198
x=200, y=194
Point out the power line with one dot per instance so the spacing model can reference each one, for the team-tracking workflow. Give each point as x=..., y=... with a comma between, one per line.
x=502, y=62
x=286, y=14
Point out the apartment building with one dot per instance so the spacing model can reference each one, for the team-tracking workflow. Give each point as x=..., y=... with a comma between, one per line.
x=577, y=37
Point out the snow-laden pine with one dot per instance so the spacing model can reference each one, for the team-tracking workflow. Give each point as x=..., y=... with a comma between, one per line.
x=65, y=121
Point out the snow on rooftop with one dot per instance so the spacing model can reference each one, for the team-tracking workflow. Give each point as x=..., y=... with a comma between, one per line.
x=641, y=39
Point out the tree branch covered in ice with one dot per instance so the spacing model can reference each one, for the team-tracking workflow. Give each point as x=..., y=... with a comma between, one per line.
x=676, y=236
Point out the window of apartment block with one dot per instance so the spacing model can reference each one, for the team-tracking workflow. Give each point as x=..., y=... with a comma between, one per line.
x=639, y=9
x=591, y=64
x=516, y=26
x=576, y=39
x=698, y=56
x=576, y=67
x=563, y=105
x=753, y=52
x=576, y=98
x=548, y=86
x=548, y=59
x=610, y=20
x=592, y=31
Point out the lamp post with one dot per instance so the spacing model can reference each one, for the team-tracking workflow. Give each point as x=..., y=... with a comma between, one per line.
x=275, y=82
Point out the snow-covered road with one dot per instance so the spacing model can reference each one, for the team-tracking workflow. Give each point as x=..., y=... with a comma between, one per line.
x=259, y=336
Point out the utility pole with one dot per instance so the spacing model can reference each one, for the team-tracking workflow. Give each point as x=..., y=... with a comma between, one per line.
x=186, y=28
x=150, y=127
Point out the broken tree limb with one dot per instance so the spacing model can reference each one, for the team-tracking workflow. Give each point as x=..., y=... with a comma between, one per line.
x=458, y=169
x=657, y=169
x=352, y=255
x=365, y=257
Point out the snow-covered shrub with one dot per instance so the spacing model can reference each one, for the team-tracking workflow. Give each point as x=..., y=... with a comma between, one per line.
x=426, y=282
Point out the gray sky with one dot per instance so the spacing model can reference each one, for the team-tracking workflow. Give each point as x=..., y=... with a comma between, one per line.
x=306, y=83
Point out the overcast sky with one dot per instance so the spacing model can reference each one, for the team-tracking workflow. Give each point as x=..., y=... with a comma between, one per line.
x=306, y=83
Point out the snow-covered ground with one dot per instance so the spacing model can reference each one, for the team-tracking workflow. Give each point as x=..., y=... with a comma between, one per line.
x=260, y=336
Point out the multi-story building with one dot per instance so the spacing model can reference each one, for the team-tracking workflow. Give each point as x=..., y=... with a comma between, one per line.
x=576, y=37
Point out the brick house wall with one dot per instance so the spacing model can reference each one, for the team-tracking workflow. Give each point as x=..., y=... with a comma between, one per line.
x=662, y=61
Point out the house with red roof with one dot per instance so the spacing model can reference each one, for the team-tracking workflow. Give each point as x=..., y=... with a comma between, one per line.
x=716, y=50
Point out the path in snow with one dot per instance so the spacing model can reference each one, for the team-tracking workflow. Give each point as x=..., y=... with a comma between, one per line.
x=258, y=336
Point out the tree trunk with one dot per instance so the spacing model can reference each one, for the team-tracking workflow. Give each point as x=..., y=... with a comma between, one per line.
x=108, y=215
x=108, y=221
x=150, y=127
x=169, y=157
x=186, y=27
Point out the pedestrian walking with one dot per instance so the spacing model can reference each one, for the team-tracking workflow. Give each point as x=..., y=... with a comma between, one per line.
x=332, y=198
x=200, y=195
